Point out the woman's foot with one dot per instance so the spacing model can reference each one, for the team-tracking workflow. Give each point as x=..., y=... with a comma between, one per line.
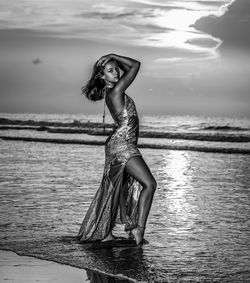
x=110, y=237
x=138, y=233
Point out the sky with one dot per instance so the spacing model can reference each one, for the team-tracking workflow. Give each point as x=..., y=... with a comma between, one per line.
x=194, y=54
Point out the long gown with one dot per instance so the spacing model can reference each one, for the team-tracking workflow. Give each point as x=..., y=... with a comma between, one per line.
x=116, y=200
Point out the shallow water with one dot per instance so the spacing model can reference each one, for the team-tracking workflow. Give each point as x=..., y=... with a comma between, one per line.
x=198, y=229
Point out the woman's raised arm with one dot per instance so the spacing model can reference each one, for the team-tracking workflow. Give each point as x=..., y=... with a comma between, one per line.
x=129, y=66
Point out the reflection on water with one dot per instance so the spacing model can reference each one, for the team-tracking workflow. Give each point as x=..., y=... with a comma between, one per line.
x=198, y=227
x=97, y=277
x=175, y=167
x=175, y=164
x=175, y=204
x=116, y=259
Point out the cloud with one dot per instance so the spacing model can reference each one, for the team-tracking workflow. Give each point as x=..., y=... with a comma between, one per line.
x=233, y=27
x=149, y=23
x=107, y=15
x=36, y=61
x=187, y=5
x=149, y=28
x=205, y=42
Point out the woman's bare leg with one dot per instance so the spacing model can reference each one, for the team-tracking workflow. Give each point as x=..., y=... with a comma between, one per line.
x=138, y=169
x=123, y=198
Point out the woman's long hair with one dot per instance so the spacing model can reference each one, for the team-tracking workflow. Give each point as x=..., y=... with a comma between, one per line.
x=94, y=88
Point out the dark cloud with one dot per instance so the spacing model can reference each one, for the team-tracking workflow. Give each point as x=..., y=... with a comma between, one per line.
x=36, y=61
x=105, y=15
x=116, y=15
x=233, y=27
x=203, y=42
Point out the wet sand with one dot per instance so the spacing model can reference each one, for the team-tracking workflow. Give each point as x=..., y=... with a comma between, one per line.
x=25, y=269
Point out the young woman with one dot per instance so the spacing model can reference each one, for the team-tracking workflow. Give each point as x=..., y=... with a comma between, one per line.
x=127, y=187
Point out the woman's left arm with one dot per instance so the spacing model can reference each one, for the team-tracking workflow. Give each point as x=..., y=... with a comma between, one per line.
x=128, y=65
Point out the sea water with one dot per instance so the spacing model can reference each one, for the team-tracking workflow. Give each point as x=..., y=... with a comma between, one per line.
x=198, y=228
x=210, y=134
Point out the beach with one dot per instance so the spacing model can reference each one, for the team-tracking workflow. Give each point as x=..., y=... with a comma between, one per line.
x=23, y=269
x=77, y=78
x=26, y=269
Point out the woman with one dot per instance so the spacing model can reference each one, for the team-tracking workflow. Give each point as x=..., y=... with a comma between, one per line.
x=127, y=188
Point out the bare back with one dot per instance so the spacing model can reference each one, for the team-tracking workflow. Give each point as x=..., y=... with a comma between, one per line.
x=115, y=103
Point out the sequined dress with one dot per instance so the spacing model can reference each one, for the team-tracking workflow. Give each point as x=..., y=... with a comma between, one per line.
x=116, y=200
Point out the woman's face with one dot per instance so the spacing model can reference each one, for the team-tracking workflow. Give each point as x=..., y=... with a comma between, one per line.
x=111, y=73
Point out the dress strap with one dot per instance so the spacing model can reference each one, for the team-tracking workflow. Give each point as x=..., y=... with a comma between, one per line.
x=103, y=116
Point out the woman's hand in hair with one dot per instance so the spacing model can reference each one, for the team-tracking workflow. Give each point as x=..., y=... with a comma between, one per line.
x=104, y=59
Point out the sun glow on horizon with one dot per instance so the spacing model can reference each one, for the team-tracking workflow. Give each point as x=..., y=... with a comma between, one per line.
x=182, y=33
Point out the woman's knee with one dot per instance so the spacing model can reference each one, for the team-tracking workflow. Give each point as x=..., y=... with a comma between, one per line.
x=151, y=184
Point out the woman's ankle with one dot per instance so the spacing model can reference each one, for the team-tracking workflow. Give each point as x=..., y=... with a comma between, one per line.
x=141, y=227
x=109, y=236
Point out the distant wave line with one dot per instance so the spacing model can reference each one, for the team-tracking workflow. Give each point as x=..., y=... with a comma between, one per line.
x=75, y=123
x=89, y=124
x=224, y=128
x=215, y=137
x=145, y=145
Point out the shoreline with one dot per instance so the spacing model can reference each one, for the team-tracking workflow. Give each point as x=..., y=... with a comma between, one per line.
x=28, y=269
x=22, y=268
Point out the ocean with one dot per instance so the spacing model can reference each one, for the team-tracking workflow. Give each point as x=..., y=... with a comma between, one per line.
x=198, y=228
x=217, y=134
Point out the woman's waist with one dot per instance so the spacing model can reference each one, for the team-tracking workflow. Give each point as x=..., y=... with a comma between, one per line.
x=126, y=136
x=112, y=147
x=128, y=121
x=121, y=140
x=131, y=129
